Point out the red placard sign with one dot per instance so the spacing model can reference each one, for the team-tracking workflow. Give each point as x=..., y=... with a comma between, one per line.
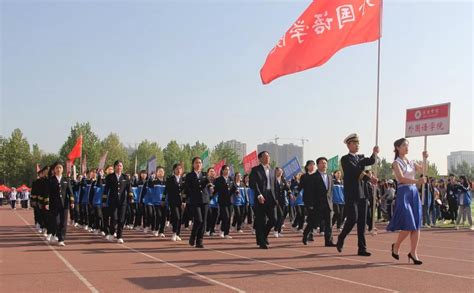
x=426, y=121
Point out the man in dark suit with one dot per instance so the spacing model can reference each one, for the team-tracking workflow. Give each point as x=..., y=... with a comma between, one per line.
x=319, y=206
x=118, y=193
x=60, y=199
x=356, y=202
x=262, y=181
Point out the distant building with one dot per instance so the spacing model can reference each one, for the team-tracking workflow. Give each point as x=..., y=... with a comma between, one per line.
x=281, y=154
x=456, y=158
x=239, y=147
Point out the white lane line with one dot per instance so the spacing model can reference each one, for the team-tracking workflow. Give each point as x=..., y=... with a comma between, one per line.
x=427, y=245
x=184, y=270
x=303, y=271
x=68, y=265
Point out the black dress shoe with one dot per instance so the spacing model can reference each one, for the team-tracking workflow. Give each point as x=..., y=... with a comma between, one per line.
x=199, y=245
x=311, y=237
x=330, y=244
x=263, y=246
x=192, y=241
x=394, y=255
x=364, y=253
x=339, y=246
x=305, y=240
x=266, y=241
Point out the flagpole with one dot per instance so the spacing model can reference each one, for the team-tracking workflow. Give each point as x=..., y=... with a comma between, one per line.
x=377, y=111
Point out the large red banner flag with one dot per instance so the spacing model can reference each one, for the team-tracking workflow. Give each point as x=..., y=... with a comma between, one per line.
x=324, y=28
x=250, y=161
x=218, y=167
x=76, y=151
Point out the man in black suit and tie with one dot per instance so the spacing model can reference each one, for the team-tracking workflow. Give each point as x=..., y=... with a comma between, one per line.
x=356, y=202
x=318, y=203
x=118, y=193
x=262, y=181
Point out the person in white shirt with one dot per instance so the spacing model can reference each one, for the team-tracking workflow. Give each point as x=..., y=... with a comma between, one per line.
x=13, y=198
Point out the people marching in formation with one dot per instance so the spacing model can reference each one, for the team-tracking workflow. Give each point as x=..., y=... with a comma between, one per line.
x=107, y=201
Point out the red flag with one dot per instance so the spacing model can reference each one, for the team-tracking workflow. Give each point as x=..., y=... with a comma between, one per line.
x=218, y=167
x=250, y=161
x=76, y=151
x=324, y=28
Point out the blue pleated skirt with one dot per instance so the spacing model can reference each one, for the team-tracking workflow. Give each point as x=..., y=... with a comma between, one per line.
x=407, y=213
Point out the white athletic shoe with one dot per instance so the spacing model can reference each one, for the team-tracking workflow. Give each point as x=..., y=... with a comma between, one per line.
x=162, y=235
x=280, y=235
x=472, y=228
x=137, y=228
x=167, y=224
x=222, y=235
x=173, y=237
x=457, y=227
x=275, y=234
x=61, y=243
x=178, y=238
x=240, y=231
x=228, y=237
x=40, y=231
x=253, y=231
x=300, y=231
x=37, y=226
x=109, y=238
x=208, y=233
x=283, y=226
x=55, y=239
x=115, y=235
x=86, y=228
x=48, y=237
x=45, y=232
x=102, y=233
x=145, y=230
x=295, y=229
x=76, y=225
x=120, y=241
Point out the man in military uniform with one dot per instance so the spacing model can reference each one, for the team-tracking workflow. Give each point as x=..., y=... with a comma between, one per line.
x=353, y=166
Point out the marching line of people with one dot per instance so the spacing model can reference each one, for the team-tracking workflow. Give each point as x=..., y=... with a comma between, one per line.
x=108, y=201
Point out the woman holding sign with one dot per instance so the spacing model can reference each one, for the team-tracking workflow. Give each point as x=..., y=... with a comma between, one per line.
x=407, y=213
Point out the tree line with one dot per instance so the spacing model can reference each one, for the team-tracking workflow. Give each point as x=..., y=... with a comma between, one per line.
x=18, y=159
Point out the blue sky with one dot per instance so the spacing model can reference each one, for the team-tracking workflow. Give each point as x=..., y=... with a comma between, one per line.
x=189, y=70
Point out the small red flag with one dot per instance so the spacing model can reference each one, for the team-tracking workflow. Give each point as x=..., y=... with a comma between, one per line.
x=76, y=151
x=218, y=166
x=324, y=28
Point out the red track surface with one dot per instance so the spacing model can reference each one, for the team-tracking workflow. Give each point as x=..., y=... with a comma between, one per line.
x=144, y=262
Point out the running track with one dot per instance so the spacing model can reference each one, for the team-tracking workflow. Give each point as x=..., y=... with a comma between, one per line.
x=144, y=263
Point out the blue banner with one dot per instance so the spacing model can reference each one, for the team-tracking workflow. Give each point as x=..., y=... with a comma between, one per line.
x=214, y=201
x=156, y=194
x=85, y=196
x=291, y=168
x=97, y=199
x=251, y=196
x=239, y=199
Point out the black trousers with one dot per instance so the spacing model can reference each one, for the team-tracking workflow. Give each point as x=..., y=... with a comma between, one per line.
x=98, y=218
x=356, y=214
x=319, y=215
x=282, y=212
x=238, y=219
x=224, y=211
x=84, y=214
x=58, y=220
x=212, y=215
x=150, y=216
x=338, y=216
x=117, y=215
x=265, y=219
x=160, y=218
x=138, y=215
x=299, y=218
x=249, y=214
x=176, y=212
x=37, y=214
x=199, y=213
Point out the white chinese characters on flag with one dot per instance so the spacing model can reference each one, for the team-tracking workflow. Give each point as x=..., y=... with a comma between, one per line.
x=324, y=28
x=430, y=120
